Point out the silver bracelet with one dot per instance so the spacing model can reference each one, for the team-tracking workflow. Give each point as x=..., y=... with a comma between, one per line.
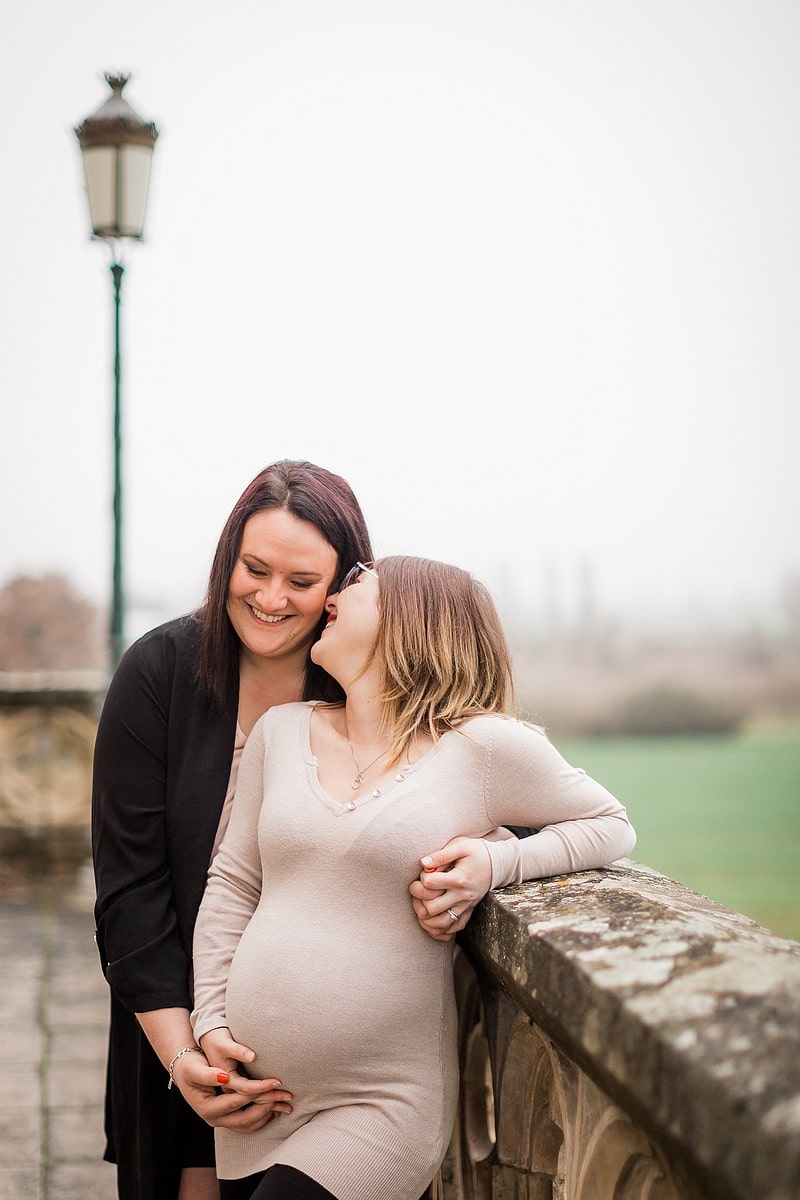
x=177, y=1058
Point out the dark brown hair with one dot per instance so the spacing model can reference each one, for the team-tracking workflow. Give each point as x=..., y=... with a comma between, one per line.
x=309, y=493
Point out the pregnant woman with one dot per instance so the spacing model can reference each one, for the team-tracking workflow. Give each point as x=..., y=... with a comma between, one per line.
x=307, y=948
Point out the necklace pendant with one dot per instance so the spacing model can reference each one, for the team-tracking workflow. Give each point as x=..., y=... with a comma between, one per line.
x=357, y=782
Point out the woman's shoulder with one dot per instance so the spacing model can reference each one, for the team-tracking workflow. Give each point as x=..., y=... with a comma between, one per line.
x=503, y=736
x=294, y=713
x=282, y=717
x=158, y=657
x=180, y=632
x=156, y=680
x=174, y=640
x=492, y=727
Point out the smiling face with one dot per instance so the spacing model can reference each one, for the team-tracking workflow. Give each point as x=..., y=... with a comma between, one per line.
x=348, y=637
x=279, y=584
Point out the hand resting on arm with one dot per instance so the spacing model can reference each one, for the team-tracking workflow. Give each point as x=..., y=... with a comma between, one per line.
x=456, y=878
x=578, y=826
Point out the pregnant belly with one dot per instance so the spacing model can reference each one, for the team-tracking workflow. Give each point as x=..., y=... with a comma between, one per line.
x=329, y=1017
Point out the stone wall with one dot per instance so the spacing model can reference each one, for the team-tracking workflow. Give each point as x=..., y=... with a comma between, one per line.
x=623, y=1038
x=48, y=722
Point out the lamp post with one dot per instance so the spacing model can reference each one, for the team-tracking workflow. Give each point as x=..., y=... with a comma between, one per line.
x=117, y=148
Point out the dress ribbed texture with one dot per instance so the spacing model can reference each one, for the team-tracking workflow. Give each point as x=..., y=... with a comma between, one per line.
x=308, y=948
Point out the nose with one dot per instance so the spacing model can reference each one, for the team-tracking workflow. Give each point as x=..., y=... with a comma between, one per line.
x=330, y=603
x=271, y=593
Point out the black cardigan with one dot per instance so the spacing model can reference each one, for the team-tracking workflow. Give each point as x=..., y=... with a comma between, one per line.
x=162, y=764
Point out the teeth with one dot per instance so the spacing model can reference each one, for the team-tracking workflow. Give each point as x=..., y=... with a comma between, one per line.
x=268, y=620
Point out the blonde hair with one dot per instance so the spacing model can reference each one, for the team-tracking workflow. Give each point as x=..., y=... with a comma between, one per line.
x=442, y=649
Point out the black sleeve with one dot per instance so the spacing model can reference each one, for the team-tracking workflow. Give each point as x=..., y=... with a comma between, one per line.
x=141, y=952
x=521, y=831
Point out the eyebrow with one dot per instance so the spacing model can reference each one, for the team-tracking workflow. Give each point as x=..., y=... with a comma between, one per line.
x=256, y=558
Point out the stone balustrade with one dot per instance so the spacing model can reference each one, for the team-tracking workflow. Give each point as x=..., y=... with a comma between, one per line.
x=48, y=721
x=623, y=1038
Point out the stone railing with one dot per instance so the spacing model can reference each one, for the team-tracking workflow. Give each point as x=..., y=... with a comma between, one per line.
x=623, y=1038
x=48, y=721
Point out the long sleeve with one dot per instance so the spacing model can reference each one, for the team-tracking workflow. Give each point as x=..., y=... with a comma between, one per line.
x=232, y=892
x=580, y=824
x=137, y=936
x=162, y=762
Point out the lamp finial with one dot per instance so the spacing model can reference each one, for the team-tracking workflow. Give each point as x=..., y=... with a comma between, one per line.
x=116, y=80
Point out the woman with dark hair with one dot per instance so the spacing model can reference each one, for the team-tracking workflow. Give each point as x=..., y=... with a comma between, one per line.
x=177, y=714
x=307, y=949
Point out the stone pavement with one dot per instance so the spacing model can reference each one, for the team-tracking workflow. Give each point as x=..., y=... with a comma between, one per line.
x=53, y=1022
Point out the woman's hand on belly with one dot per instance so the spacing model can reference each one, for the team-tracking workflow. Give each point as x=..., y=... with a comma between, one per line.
x=200, y=1085
x=452, y=882
x=249, y=1104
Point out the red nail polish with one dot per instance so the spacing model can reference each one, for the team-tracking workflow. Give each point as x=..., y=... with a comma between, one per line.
x=223, y=1077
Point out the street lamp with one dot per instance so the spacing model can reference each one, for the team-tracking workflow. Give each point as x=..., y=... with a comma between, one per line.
x=117, y=147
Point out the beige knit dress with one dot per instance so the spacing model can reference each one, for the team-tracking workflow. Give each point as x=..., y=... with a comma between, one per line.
x=308, y=948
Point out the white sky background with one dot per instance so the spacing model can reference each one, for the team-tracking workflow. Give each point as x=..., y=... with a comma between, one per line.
x=527, y=274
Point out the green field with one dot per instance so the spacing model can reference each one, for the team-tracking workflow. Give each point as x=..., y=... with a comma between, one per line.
x=722, y=815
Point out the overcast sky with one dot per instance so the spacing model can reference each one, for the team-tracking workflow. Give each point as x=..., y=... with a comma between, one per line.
x=526, y=273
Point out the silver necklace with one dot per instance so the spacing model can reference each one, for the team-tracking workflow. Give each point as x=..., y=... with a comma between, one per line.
x=360, y=771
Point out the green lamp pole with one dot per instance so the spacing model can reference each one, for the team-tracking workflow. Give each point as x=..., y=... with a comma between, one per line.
x=117, y=148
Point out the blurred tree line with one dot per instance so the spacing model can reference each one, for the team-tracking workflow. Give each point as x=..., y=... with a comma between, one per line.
x=660, y=687
x=46, y=625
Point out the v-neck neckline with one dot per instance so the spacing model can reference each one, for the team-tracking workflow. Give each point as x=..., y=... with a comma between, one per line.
x=376, y=793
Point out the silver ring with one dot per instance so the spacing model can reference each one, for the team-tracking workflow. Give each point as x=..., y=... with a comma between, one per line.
x=452, y=915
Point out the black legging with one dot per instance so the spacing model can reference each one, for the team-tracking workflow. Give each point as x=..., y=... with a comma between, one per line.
x=277, y=1183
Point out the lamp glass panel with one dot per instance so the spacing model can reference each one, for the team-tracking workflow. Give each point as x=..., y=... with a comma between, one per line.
x=134, y=176
x=100, y=169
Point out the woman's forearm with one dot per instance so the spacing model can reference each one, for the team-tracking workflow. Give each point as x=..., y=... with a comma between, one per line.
x=167, y=1030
